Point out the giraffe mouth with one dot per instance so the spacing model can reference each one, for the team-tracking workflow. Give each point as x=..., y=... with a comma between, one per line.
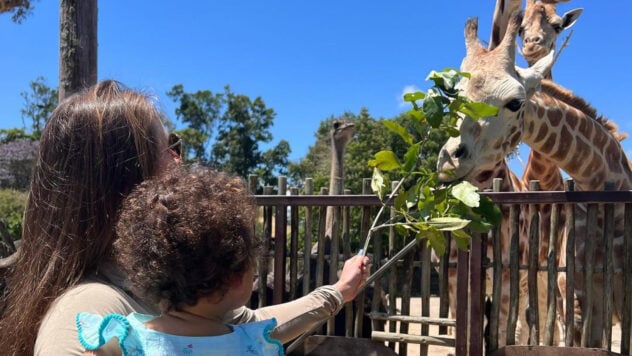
x=532, y=52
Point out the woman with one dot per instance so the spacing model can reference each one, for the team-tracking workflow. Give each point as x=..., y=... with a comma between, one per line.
x=95, y=148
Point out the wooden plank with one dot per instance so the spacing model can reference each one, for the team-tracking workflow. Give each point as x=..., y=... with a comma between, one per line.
x=476, y=295
x=514, y=272
x=444, y=299
x=412, y=339
x=534, y=263
x=346, y=251
x=414, y=319
x=551, y=290
x=492, y=341
x=542, y=197
x=569, y=322
x=392, y=279
x=608, y=276
x=293, y=247
x=307, y=240
x=627, y=281
x=365, y=224
x=265, y=259
x=462, y=295
x=280, y=238
x=589, y=266
x=424, y=254
x=406, y=294
x=320, y=259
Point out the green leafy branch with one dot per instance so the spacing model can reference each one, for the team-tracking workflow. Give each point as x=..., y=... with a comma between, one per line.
x=424, y=206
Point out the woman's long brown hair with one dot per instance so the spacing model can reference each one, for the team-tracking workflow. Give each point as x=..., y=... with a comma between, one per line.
x=95, y=148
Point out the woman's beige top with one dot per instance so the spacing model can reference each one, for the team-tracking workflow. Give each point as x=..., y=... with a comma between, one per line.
x=106, y=292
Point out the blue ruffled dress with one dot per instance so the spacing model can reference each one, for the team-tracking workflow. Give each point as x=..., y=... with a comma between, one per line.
x=136, y=339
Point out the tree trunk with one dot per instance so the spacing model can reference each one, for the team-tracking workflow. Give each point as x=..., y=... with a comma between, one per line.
x=77, y=46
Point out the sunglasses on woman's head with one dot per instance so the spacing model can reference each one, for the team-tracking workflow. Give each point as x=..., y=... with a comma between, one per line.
x=175, y=144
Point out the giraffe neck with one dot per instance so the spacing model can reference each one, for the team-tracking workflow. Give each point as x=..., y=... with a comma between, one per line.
x=543, y=170
x=575, y=142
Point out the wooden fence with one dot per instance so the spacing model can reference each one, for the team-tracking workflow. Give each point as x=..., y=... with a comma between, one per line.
x=290, y=223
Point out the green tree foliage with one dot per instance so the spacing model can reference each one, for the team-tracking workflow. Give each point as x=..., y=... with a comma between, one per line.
x=10, y=135
x=39, y=104
x=199, y=111
x=243, y=126
x=12, y=206
x=226, y=130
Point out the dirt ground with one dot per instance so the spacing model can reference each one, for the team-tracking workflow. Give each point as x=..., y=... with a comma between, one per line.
x=415, y=329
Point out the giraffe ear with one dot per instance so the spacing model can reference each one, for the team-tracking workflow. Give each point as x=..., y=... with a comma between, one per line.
x=569, y=18
x=533, y=75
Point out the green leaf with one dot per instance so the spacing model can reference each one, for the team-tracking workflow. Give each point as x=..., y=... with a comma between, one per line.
x=435, y=239
x=447, y=223
x=410, y=158
x=399, y=130
x=433, y=109
x=462, y=239
x=400, y=200
x=478, y=110
x=490, y=211
x=466, y=193
x=385, y=161
x=418, y=95
x=416, y=113
x=377, y=183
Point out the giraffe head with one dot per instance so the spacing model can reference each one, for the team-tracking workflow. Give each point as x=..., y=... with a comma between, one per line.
x=495, y=80
x=541, y=26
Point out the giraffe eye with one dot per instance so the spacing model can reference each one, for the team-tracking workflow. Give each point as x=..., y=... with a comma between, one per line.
x=514, y=105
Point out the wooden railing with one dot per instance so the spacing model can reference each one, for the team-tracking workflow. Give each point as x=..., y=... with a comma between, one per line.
x=298, y=223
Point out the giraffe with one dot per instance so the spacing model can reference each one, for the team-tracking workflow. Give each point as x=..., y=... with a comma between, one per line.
x=541, y=26
x=539, y=31
x=586, y=147
x=483, y=178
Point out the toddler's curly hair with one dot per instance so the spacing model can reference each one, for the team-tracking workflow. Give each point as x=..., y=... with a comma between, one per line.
x=186, y=234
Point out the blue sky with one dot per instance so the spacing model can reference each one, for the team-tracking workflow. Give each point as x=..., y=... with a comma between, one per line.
x=307, y=60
